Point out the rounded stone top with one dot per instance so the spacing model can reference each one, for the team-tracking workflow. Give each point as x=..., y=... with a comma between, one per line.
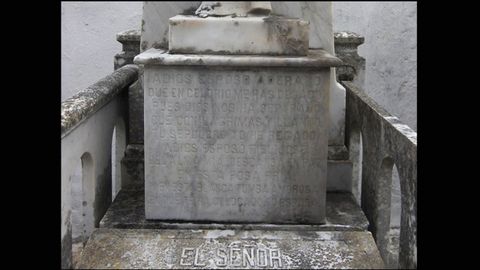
x=345, y=37
x=129, y=35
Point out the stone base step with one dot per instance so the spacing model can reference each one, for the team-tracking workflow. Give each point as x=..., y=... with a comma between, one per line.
x=229, y=249
x=128, y=212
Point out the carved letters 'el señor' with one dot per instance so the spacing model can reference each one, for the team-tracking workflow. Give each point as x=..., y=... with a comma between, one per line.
x=235, y=256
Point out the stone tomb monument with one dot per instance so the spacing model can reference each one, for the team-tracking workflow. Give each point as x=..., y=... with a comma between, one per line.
x=236, y=119
x=236, y=137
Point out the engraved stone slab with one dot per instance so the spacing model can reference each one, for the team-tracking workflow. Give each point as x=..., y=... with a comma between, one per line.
x=229, y=249
x=236, y=143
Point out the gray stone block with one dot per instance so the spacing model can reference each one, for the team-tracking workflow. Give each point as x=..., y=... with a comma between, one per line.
x=339, y=172
x=130, y=48
x=388, y=142
x=229, y=249
x=346, y=48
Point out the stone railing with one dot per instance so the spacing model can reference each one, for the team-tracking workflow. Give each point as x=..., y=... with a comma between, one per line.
x=385, y=142
x=91, y=122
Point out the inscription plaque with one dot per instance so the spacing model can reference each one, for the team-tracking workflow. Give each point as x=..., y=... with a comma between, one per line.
x=226, y=144
x=229, y=249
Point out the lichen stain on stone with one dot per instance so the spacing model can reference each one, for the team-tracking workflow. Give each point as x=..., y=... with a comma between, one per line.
x=160, y=45
x=188, y=11
x=144, y=45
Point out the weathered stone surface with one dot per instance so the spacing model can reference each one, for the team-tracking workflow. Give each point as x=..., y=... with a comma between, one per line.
x=234, y=8
x=272, y=35
x=339, y=168
x=86, y=102
x=128, y=212
x=319, y=14
x=346, y=48
x=135, y=110
x=395, y=144
x=133, y=36
x=133, y=167
x=315, y=58
x=236, y=143
x=154, y=31
x=229, y=249
x=130, y=48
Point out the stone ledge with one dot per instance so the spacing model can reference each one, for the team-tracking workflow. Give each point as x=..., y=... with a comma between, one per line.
x=215, y=249
x=315, y=59
x=128, y=212
x=86, y=102
x=129, y=35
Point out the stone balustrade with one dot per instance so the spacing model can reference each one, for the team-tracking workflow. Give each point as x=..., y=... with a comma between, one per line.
x=90, y=120
x=385, y=142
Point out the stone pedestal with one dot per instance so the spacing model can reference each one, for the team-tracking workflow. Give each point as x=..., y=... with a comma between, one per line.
x=229, y=249
x=236, y=138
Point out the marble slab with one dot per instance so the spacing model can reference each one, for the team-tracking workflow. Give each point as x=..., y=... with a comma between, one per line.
x=229, y=249
x=314, y=59
x=272, y=35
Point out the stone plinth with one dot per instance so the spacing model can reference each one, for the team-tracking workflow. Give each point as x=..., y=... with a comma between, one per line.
x=236, y=138
x=272, y=35
x=128, y=212
x=229, y=249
